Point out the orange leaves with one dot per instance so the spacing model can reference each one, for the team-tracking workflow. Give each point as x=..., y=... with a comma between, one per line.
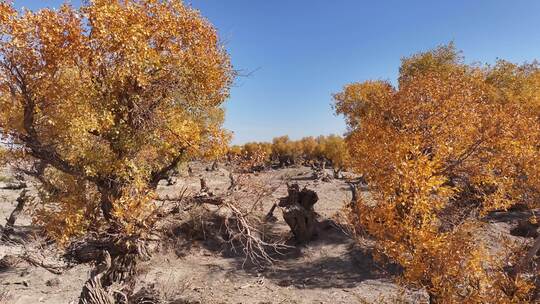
x=359, y=99
x=450, y=142
x=116, y=91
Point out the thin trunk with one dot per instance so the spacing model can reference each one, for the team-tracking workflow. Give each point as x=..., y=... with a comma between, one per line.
x=10, y=224
x=270, y=215
x=354, y=192
x=107, y=208
x=109, y=195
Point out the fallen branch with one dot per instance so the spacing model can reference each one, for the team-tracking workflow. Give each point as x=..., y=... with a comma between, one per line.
x=270, y=215
x=14, y=186
x=211, y=200
x=38, y=263
x=248, y=231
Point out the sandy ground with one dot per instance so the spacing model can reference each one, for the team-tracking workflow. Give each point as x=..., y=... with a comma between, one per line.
x=331, y=269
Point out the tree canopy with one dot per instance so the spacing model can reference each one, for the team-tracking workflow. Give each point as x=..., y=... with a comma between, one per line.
x=450, y=143
x=107, y=99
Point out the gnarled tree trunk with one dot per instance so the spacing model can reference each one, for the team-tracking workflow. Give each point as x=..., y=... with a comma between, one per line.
x=93, y=291
x=298, y=212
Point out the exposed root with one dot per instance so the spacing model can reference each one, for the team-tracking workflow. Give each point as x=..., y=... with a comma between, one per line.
x=93, y=291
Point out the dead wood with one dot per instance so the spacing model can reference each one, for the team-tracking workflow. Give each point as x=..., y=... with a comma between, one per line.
x=123, y=268
x=233, y=182
x=354, y=193
x=9, y=261
x=208, y=199
x=171, y=180
x=94, y=293
x=10, y=224
x=14, y=186
x=320, y=173
x=38, y=262
x=204, y=187
x=248, y=231
x=338, y=173
x=298, y=212
x=220, y=219
x=270, y=215
x=146, y=295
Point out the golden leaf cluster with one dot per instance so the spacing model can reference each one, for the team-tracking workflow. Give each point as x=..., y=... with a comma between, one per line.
x=331, y=148
x=450, y=136
x=111, y=96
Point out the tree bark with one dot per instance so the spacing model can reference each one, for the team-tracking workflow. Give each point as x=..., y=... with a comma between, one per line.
x=109, y=192
x=204, y=187
x=298, y=212
x=93, y=291
x=354, y=194
x=301, y=221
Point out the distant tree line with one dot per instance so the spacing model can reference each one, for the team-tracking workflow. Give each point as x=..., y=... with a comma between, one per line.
x=323, y=151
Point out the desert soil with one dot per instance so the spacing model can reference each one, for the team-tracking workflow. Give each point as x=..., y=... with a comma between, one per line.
x=331, y=269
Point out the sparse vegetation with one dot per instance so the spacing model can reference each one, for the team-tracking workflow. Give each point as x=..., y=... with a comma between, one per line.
x=284, y=152
x=120, y=183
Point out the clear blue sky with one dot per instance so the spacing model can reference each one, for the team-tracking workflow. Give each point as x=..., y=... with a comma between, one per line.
x=300, y=52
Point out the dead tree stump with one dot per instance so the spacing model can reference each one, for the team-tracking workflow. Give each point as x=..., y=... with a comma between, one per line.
x=319, y=172
x=204, y=187
x=15, y=186
x=338, y=173
x=298, y=212
x=233, y=184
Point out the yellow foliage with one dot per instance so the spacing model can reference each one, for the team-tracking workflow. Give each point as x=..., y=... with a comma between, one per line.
x=451, y=135
x=331, y=148
x=112, y=96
